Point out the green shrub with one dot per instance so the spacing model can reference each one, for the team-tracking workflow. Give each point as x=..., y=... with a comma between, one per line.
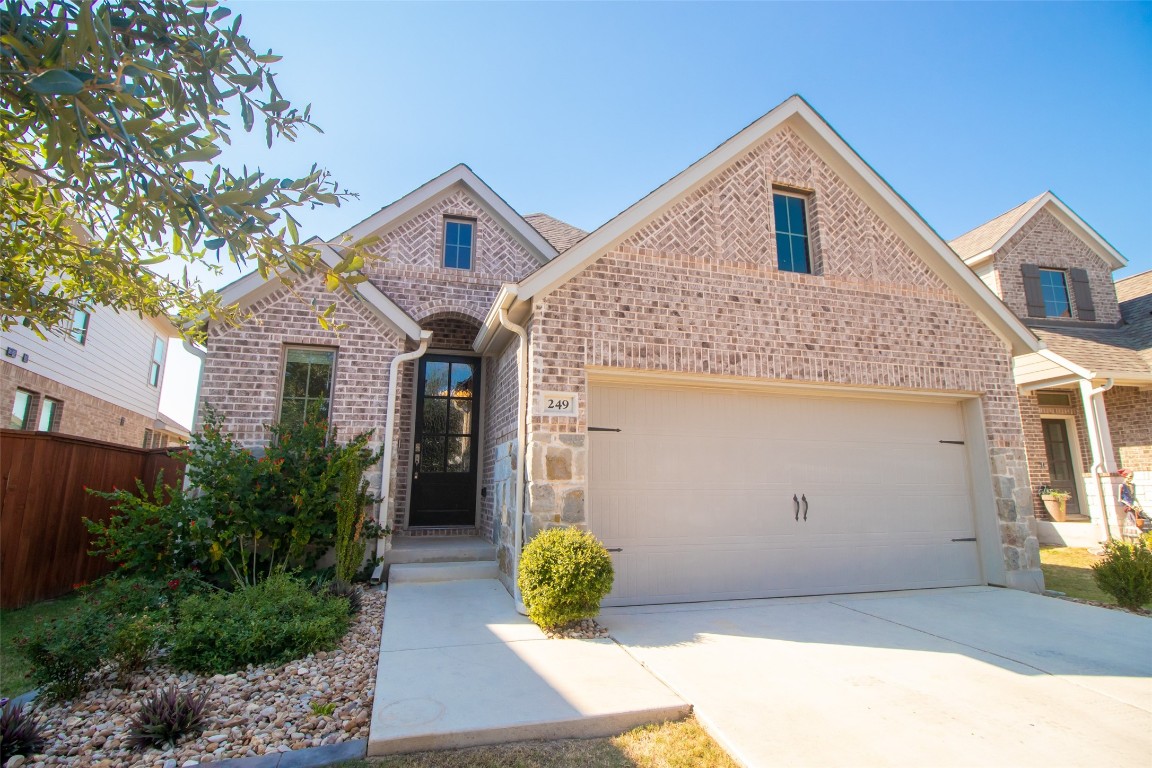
x=274, y=621
x=247, y=516
x=133, y=641
x=564, y=574
x=352, y=500
x=1125, y=572
x=64, y=652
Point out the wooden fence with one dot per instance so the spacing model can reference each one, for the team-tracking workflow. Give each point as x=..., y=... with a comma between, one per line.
x=43, y=476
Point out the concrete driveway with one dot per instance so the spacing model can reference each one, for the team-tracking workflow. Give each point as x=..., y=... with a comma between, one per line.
x=960, y=677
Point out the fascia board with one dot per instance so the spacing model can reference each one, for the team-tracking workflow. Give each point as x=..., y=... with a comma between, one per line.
x=491, y=327
x=1065, y=363
x=377, y=299
x=396, y=212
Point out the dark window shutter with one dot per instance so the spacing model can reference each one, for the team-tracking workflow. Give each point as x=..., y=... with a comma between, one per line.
x=1085, y=309
x=1033, y=293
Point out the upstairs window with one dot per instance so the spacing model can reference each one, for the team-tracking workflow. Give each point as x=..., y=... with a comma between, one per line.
x=157, y=363
x=307, y=390
x=1054, y=289
x=791, y=232
x=459, y=237
x=79, y=332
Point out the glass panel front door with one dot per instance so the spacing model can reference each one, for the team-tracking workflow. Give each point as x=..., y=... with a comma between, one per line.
x=444, y=453
x=1061, y=472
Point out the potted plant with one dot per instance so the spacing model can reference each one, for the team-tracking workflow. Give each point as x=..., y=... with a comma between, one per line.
x=1055, y=502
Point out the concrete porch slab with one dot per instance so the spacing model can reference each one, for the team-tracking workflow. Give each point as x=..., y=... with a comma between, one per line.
x=459, y=667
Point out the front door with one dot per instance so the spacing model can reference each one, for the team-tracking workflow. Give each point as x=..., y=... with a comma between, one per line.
x=444, y=454
x=1061, y=474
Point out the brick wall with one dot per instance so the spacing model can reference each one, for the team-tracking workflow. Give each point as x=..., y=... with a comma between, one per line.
x=243, y=370
x=408, y=267
x=498, y=505
x=697, y=291
x=1045, y=242
x=81, y=414
x=1130, y=420
x=1031, y=415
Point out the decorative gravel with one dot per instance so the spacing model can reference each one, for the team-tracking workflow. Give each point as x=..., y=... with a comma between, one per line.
x=585, y=629
x=254, y=712
x=1097, y=603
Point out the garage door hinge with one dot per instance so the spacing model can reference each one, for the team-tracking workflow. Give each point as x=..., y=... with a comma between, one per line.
x=604, y=429
x=953, y=442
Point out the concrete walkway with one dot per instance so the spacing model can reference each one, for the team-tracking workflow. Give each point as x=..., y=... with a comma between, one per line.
x=459, y=667
x=959, y=677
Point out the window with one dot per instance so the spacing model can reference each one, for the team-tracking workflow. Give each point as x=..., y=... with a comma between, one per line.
x=157, y=362
x=458, y=241
x=21, y=410
x=791, y=232
x=49, y=415
x=1063, y=399
x=79, y=332
x=147, y=438
x=1055, y=291
x=307, y=390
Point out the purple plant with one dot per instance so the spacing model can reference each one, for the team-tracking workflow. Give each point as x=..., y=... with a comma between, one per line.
x=166, y=717
x=19, y=731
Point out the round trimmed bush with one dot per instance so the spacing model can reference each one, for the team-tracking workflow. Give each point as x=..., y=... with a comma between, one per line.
x=564, y=574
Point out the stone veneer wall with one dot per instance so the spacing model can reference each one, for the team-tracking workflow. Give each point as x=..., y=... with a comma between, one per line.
x=81, y=414
x=1130, y=420
x=498, y=503
x=697, y=291
x=243, y=370
x=1045, y=242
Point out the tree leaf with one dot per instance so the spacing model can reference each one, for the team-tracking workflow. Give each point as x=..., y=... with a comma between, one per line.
x=56, y=82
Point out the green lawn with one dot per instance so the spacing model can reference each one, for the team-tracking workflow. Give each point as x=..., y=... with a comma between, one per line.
x=1069, y=570
x=683, y=744
x=14, y=623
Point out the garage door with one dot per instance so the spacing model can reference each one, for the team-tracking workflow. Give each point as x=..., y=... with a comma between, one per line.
x=716, y=495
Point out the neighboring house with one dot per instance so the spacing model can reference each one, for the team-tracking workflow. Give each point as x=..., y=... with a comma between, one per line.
x=768, y=377
x=1086, y=399
x=100, y=378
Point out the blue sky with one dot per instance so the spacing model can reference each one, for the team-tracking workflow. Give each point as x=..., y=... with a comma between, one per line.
x=580, y=109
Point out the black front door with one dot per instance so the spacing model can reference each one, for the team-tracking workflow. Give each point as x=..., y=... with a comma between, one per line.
x=1061, y=474
x=444, y=454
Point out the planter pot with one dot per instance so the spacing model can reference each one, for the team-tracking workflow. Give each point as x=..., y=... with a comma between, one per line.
x=1057, y=507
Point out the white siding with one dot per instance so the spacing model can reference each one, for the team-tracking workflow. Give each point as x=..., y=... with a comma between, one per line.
x=113, y=364
x=1034, y=367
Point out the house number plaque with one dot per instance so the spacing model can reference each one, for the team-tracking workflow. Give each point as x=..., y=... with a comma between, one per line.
x=558, y=404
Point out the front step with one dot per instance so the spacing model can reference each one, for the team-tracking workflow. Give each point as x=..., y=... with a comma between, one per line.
x=410, y=573
x=439, y=549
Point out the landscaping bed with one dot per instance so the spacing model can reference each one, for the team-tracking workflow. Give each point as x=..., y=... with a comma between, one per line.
x=253, y=712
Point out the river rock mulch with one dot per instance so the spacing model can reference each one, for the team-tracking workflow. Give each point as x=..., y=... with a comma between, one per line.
x=253, y=712
x=584, y=629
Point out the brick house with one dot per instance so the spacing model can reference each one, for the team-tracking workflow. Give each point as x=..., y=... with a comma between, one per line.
x=1086, y=398
x=768, y=377
x=101, y=379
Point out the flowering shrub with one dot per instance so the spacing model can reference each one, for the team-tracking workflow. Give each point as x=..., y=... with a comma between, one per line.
x=248, y=515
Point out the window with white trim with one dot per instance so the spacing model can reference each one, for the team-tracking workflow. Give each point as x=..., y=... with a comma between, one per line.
x=157, y=363
x=79, y=332
x=50, y=412
x=23, y=405
x=1054, y=287
x=459, y=243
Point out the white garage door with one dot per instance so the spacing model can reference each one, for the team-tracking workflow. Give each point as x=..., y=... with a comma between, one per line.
x=716, y=495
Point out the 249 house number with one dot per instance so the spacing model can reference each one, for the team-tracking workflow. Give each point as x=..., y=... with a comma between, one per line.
x=559, y=403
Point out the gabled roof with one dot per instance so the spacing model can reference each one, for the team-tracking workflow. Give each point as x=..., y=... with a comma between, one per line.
x=798, y=114
x=560, y=234
x=252, y=287
x=461, y=175
x=983, y=242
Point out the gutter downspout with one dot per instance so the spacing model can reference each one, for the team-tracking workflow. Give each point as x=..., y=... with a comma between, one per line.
x=389, y=428
x=1099, y=466
x=521, y=452
x=192, y=349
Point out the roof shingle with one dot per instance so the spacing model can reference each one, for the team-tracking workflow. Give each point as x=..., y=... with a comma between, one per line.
x=985, y=236
x=560, y=234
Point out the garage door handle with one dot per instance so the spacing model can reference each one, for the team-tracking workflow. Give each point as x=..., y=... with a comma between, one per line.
x=796, y=501
x=615, y=549
x=805, y=500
